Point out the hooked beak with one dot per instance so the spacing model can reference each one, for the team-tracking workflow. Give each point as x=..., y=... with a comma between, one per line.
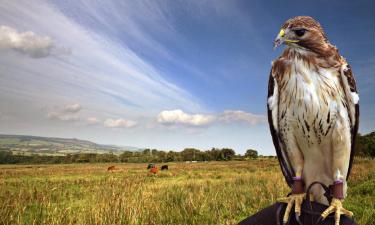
x=279, y=39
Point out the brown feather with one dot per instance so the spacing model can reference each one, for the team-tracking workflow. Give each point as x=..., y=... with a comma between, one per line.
x=354, y=127
x=284, y=162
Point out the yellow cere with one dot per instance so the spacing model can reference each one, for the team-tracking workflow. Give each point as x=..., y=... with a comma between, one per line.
x=282, y=33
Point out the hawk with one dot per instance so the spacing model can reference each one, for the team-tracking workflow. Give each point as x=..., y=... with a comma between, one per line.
x=313, y=115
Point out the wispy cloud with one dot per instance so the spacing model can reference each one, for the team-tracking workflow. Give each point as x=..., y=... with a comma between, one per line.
x=229, y=116
x=99, y=65
x=92, y=121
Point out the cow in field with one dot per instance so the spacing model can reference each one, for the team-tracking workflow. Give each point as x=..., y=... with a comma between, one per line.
x=164, y=167
x=112, y=168
x=154, y=170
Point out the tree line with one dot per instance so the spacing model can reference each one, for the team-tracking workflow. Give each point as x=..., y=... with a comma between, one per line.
x=145, y=156
x=365, y=145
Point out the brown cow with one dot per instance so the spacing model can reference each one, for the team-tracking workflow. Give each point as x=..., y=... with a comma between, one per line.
x=154, y=170
x=112, y=168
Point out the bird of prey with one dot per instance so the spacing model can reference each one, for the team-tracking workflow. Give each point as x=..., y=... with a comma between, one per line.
x=313, y=115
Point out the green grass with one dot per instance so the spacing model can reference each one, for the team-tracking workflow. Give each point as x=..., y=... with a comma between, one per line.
x=198, y=193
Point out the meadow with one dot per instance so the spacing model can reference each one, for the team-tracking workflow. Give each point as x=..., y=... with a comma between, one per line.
x=188, y=193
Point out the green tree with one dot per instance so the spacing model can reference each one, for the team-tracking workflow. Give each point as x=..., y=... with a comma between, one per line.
x=227, y=153
x=190, y=154
x=171, y=156
x=5, y=157
x=125, y=156
x=365, y=145
x=215, y=154
x=147, y=152
x=251, y=153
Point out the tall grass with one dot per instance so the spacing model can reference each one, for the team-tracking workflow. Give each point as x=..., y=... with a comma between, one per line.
x=198, y=193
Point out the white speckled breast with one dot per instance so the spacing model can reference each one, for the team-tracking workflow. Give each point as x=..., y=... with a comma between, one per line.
x=308, y=105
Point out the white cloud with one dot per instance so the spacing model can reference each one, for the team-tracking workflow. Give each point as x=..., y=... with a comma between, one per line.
x=92, y=120
x=179, y=117
x=73, y=108
x=118, y=123
x=229, y=116
x=27, y=43
x=65, y=113
x=63, y=117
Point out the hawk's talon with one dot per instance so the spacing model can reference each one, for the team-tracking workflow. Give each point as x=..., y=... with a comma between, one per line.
x=338, y=209
x=294, y=199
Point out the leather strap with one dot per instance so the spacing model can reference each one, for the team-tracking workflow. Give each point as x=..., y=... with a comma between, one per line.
x=337, y=190
x=298, y=186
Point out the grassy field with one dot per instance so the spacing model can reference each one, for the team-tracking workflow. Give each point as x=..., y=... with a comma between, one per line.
x=197, y=193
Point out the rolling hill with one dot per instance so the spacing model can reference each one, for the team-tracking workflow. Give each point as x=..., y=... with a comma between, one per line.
x=23, y=144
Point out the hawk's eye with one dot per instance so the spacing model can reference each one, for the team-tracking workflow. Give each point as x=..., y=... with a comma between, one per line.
x=300, y=32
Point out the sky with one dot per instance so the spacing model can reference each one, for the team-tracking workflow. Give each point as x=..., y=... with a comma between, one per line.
x=161, y=74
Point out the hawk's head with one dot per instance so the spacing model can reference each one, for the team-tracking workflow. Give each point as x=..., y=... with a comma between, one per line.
x=302, y=32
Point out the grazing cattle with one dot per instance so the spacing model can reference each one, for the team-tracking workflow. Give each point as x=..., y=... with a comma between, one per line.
x=164, y=167
x=154, y=170
x=111, y=168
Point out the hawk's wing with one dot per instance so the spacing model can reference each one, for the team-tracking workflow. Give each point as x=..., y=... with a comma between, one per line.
x=352, y=102
x=272, y=106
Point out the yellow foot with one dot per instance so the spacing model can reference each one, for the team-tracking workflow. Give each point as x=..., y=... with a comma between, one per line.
x=336, y=207
x=294, y=199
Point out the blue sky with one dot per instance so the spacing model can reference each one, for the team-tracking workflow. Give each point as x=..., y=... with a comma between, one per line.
x=162, y=74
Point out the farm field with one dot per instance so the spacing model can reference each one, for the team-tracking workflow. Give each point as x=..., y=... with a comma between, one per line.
x=188, y=193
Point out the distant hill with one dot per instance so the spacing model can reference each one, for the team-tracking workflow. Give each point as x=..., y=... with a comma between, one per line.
x=22, y=144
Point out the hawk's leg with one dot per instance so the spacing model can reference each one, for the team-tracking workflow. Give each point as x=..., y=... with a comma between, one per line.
x=296, y=199
x=341, y=145
x=336, y=203
x=298, y=190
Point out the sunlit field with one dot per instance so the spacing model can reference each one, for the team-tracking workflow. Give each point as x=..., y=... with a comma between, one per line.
x=194, y=193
